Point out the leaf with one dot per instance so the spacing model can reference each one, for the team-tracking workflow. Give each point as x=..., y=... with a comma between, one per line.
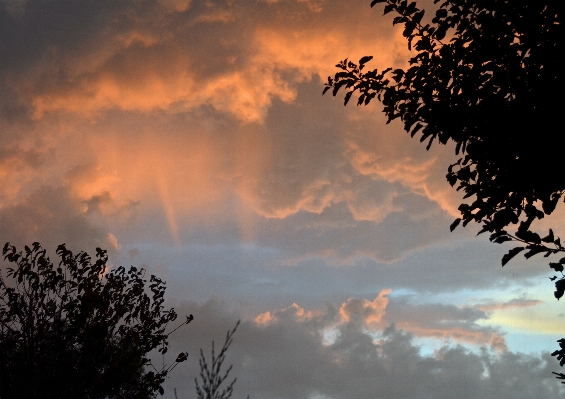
x=408, y=29
x=347, y=97
x=181, y=357
x=398, y=20
x=560, y=376
x=512, y=253
x=497, y=234
x=528, y=235
x=556, y=266
x=549, y=237
x=430, y=142
x=388, y=8
x=451, y=178
x=441, y=31
x=481, y=231
x=559, y=288
x=416, y=128
x=441, y=13
x=364, y=60
x=534, y=250
x=418, y=16
x=377, y=2
x=454, y=224
x=501, y=239
x=549, y=205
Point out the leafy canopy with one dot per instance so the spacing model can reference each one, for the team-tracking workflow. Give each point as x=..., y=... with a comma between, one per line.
x=485, y=75
x=75, y=330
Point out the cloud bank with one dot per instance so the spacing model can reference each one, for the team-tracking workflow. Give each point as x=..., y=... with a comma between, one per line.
x=290, y=356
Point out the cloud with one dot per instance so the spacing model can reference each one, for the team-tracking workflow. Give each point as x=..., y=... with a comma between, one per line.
x=293, y=312
x=68, y=206
x=442, y=322
x=52, y=217
x=289, y=358
x=364, y=312
x=516, y=303
x=15, y=165
x=149, y=59
x=285, y=184
x=447, y=322
x=143, y=59
x=195, y=109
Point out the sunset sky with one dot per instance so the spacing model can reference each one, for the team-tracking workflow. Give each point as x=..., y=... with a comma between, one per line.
x=192, y=138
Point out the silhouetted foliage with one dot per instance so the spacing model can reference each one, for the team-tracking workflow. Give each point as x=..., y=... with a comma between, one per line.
x=561, y=358
x=211, y=374
x=76, y=330
x=485, y=75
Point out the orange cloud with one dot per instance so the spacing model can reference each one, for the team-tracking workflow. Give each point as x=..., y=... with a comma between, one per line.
x=226, y=122
x=365, y=312
x=420, y=175
x=440, y=322
x=148, y=64
x=293, y=312
x=180, y=174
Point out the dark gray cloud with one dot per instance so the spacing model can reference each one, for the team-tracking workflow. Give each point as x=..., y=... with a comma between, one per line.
x=263, y=276
x=287, y=359
x=51, y=216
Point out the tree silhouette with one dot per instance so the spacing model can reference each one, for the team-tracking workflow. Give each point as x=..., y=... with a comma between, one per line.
x=76, y=330
x=212, y=375
x=484, y=75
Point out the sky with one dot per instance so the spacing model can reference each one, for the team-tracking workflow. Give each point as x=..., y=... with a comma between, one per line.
x=191, y=138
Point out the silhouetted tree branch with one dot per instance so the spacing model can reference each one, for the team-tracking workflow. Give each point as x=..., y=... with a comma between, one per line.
x=484, y=75
x=211, y=374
